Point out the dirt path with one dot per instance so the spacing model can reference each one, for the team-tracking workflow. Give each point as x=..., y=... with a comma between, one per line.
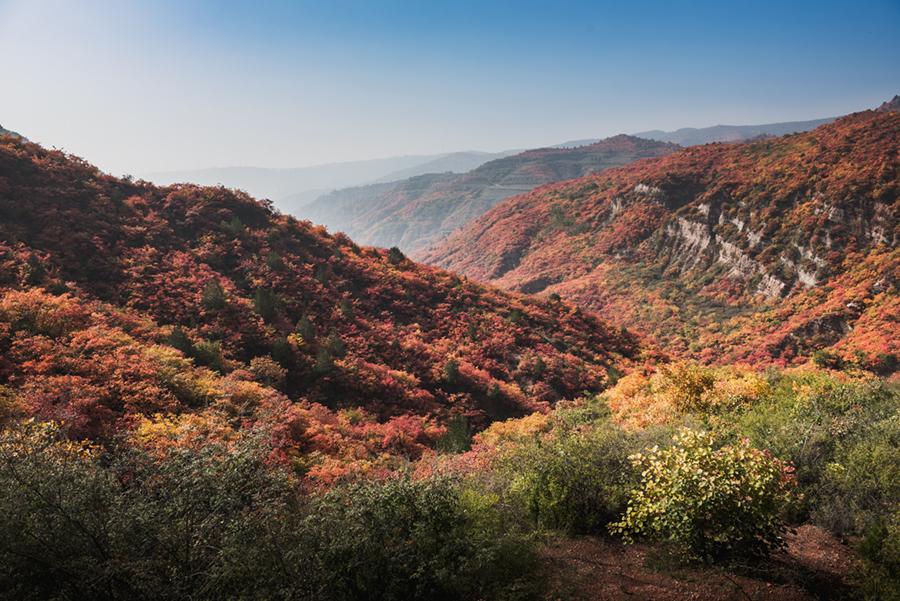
x=814, y=566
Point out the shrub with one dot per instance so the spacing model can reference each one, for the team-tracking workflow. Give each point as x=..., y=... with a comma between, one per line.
x=213, y=297
x=395, y=256
x=406, y=539
x=880, y=550
x=710, y=502
x=860, y=497
x=209, y=353
x=806, y=416
x=223, y=522
x=179, y=340
x=457, y=438
x=306, y=329
x=267, y=371
x=266, y=303
x=450, y=371
x=200, y=524
x=572, y=480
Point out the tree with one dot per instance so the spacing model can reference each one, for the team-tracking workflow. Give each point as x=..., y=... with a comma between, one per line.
x=396, y=256
x=451, y=371
x=266, y=302
x=214, y=296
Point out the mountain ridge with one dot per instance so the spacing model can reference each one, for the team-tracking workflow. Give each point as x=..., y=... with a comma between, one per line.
x=412, y=214
x=708, y=243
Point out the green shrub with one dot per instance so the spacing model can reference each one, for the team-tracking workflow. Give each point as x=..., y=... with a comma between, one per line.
x=575, y=480
x=805, y=417
x=711, y=503
x=880, y=550
x=407, y=539
x=209, y=353
x=219, y=522
x=268, y=371
x=201, y=524
x=213, y=297
x=457, y=438
x=395, y=256
x=266, y=303
x=860, y=497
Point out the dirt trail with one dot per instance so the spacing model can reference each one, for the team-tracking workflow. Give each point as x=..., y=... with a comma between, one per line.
x=814, y=566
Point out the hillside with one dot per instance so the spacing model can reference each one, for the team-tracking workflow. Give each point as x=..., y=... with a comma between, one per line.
x=414, y=213
x=247, y=288
x=757, y=251
x=455, y=162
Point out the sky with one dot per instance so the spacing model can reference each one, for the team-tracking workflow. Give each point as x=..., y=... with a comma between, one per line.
x=137, y=87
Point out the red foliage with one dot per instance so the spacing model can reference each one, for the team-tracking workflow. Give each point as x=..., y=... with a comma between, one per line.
x=700, y=249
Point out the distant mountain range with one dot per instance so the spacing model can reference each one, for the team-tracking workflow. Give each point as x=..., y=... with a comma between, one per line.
x=692, y=136
x=414, y=213
x=293, y=187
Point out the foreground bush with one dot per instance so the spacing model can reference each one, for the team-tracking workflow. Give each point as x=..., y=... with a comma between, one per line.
x=574, y=480
x=860, y=497
x=76, y=523
x=711, y=503
x=405, y=539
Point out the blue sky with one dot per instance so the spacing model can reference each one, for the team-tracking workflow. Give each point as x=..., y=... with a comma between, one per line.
x=141, y=86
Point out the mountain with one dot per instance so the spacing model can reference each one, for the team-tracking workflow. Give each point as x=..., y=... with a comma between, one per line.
x=691, y=136
x=242, y=289
x=455, y=162
x=289, y=187
x=766, y=250
x=414, y=213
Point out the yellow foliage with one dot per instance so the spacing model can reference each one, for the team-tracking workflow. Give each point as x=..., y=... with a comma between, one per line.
x=514, y=430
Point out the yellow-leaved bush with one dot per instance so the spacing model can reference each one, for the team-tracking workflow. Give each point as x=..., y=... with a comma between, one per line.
x=710, y=502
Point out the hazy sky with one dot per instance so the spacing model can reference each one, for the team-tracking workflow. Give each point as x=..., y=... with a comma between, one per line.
x=141, y=86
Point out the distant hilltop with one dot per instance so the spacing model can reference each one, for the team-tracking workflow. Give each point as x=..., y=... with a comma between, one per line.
x=6, y=132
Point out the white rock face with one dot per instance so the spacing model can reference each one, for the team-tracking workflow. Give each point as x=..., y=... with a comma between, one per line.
x=806, y=278
x=694, y=234
x=770, y=286
x=645, y=189
x=754, y=238
x=741, y=265
x=616, y=206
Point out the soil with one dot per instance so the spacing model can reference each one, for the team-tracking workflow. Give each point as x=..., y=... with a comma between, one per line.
x=814, y=565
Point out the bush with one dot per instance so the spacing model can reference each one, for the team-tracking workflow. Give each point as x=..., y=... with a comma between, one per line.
x=806, y=416
x=395, y=256
x=213, y=298
x=200, y=524
x=268, y=371
x=209, y=353
x=711, y=503
x=573, y=480
x=266, y=303
x=860, y=497
x=406, y=539
x=217, y=522
x=880, y=550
